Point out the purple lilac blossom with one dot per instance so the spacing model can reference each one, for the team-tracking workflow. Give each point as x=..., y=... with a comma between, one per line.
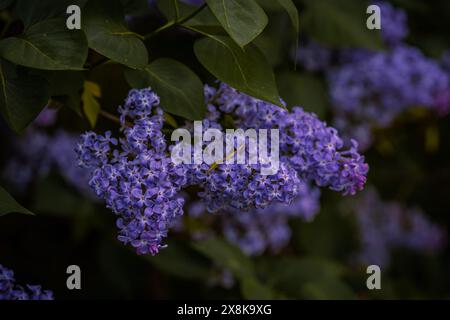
x=307, y=144
x=267, y=229
x=30, y=159
x=37, y=153
x=394, y=23
x=375, y=90
x=9, y=290
x=140, y=183
x=259, y=230
x=135, y=175
x=64, y=159
x=313, y=56
x=384, y=226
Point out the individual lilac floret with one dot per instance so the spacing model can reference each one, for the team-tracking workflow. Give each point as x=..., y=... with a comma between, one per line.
x=384, y=226
x=394, y=23
x=307, y=144
x=375, y=90
x=11, y=291
x=313, y=56
x=135, y=175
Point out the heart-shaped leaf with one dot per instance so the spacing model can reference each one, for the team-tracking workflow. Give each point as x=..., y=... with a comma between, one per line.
x=244, y=20
x=246, y=70
x=180, y=90
x=22, y=96
x=107, y=34
x=292, y=11
x=340, y=24
x=9, y=205
x=47, y=45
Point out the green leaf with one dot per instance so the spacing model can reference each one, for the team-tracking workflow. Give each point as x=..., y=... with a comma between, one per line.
x=328, y=289
x=292, y=11
x=22, y=96
x=66, y=87
x=107, y=34
x=306, y=277
x=246, y=70
x=182, y=262
x=252, y=289
x=31, y=12
x=304, y=90
x=9, y=205
x=226, y=256
x=180, y=90
x=340, y=24
x=135, y=7
x=244, y=20
x=47, y=45
x=204, y=20
x=91, y=106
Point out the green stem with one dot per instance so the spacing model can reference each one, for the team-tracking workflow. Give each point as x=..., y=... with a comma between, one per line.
x=112, y=117
x=160, y=29
x=175, y=22
x=193, y=14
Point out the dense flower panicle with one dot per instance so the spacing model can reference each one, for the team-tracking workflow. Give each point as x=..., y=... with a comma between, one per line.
x=241, y=186
x=135, y=175
x=9, y=290
x=387, y=225
x=375, y=90
x=307, y=144
x=394, y=23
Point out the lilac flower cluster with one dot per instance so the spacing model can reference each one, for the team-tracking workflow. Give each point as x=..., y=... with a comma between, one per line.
x=265, y=229
x=313, y=56
x=242, y=186
x=141, y=184
x=394, y=23
x=259, y=230
x=375, y=90
x=30, y=159
x=307, y=144
x=135, y=175
x=387, y=225
x=37, y=153
x=10, y=291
